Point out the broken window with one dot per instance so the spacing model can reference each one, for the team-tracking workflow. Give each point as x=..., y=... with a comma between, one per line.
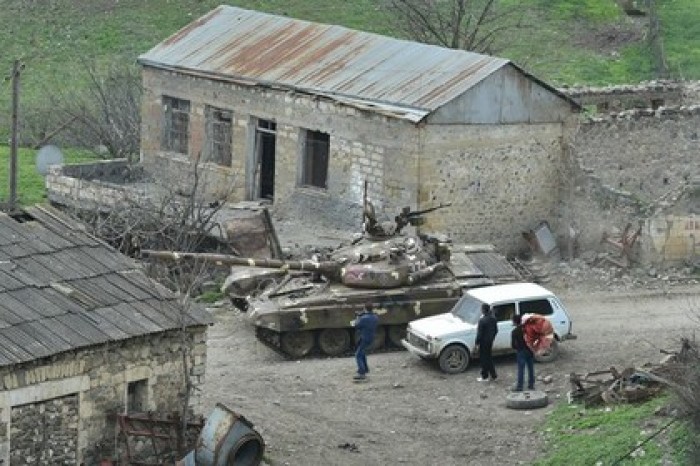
x=219, y=136
x=137, y=396
x=314, y=170
x=176, y=124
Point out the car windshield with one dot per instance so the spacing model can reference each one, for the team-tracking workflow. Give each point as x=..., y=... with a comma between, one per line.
x=468, y=308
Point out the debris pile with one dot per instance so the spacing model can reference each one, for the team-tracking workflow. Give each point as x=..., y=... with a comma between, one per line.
x=612, y=386
x=631, y=385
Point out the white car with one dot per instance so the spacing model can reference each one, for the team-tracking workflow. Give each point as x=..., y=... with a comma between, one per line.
x=450, y=337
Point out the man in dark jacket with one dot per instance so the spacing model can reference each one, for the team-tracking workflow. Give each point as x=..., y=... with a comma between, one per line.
x=485, y=334
x=523, y=355
x=366, y=326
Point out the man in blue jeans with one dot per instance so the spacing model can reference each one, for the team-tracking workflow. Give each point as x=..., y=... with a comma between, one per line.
x=366, y=326
x=523, y=355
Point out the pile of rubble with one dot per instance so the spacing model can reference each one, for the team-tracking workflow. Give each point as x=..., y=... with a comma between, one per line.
x=592, y=271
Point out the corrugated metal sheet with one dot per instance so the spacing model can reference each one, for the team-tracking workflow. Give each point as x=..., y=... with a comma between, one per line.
x=61, y=289
x=258, y=48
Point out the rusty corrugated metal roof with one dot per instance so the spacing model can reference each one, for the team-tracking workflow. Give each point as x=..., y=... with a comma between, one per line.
x=377, y=71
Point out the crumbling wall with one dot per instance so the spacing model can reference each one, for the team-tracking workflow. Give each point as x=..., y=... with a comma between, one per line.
x=652, y=94
x=633, y=165
x=97, y=378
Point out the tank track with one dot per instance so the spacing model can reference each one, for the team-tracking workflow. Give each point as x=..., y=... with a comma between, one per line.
x=271, y=339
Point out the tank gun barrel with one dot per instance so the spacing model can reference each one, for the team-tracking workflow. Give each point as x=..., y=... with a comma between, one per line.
x=326, y=267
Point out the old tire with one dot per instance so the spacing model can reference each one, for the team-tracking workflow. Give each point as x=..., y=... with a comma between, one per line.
x=297, y=344
x=454, y=359
x=551, y=354
x=396, y=333
x=531, y=399
x=334, y=341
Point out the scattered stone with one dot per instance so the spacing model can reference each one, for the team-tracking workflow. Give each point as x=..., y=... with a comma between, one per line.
x=443, y=398
x=547, y=379
x=397, y=385
x=483, y=395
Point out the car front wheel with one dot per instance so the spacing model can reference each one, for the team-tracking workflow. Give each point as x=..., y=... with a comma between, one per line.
x=454, y=359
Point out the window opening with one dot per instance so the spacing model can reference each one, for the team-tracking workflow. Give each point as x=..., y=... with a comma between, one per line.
x=219, y=135
x=315, y=159
x=265, y=147
x=176, y=124
x=137, y=396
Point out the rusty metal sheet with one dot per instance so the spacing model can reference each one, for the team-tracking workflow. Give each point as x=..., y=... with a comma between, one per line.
x=266, y=49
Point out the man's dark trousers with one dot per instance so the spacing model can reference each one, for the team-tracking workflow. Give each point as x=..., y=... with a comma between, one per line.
x=487, y=367
x=361, y=357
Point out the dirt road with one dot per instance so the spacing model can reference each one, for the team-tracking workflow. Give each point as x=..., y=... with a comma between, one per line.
x=311, y=412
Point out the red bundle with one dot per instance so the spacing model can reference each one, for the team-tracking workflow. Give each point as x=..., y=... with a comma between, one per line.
x=538, y=332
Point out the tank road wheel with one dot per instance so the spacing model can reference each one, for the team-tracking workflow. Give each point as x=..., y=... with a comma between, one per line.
x=454, y=359
x=379, y=339
x=396, y=333
x=334, y=341
x=297, y=344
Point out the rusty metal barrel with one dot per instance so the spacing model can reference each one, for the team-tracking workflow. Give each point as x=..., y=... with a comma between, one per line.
x=227, y=439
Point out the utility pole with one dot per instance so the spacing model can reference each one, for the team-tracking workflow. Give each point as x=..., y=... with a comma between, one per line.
x=16, y=69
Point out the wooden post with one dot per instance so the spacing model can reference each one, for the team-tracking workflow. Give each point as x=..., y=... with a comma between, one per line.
x=12, y=204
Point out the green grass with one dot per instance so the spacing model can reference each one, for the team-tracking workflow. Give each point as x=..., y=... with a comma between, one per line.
x=30, y=184
x=577, y=436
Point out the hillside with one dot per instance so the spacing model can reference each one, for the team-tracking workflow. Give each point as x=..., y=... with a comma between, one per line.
x=560, y=41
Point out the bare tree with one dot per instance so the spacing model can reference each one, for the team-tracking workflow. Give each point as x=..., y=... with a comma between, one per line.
x=104, y=113
x=176, y=213
x=474, y=25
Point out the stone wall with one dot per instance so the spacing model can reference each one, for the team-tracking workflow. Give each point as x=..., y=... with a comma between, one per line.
x=363, y=146
x=45, y=432
x=501, y=180
x=98, y=378
x=634, y=165
x=652, y=94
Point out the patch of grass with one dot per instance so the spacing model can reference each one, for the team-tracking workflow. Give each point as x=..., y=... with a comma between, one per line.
x=30, y=184
x=579, y=436
x=592, y=10
x=681, y=34
x=209, y=297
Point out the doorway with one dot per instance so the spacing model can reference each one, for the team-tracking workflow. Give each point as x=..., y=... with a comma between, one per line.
x=264, y=159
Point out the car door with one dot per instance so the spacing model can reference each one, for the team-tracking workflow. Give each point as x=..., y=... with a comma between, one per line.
x=504, y=316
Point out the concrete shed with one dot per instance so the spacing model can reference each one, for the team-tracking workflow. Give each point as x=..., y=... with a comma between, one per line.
x=84, y=336
x=303, y=113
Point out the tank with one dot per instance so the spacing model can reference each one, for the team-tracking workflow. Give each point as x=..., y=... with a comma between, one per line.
x=307, y=307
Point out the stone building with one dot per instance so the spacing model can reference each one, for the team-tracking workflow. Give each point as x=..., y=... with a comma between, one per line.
x=303, y=114
x=84, y=335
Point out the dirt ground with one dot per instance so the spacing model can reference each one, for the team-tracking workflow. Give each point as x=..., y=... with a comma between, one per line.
x=312, y=413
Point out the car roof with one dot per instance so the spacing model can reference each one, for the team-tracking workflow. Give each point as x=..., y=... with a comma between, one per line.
x=515, y=291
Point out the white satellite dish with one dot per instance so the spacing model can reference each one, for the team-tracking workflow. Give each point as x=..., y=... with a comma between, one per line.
x=47, y=156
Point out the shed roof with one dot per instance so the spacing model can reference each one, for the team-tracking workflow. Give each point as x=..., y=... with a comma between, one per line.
x=63, y=289
x=407, y=79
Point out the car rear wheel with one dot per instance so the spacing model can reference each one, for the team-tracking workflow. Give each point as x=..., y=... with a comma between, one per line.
x=454, y=359
x=550, y=354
